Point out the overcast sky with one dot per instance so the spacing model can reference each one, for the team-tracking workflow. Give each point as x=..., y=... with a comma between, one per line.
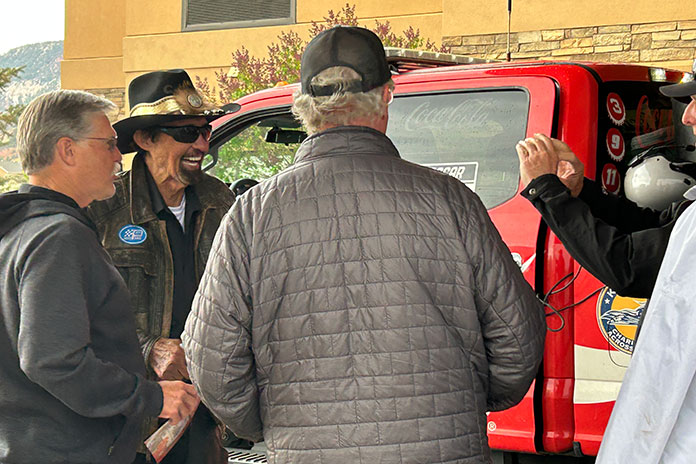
x=31, y=21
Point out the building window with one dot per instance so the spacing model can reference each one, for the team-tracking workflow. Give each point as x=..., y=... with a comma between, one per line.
x=226, y=14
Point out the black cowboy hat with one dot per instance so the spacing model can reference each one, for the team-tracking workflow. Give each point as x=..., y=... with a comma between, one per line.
x=160, y=97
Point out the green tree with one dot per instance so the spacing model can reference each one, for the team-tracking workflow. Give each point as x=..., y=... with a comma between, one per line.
x=248, y=155
x=248, y=74
x=8, y=122
x=8, y=118
x=10, y=182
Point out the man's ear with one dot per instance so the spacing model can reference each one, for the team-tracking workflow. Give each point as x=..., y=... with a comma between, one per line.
x=387, y=95
x=142, y=139
x=64, y=150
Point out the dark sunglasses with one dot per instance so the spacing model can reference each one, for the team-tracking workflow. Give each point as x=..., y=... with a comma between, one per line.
x=187, y=134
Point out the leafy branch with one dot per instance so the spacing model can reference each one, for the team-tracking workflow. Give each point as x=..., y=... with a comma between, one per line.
x=248, y=74
x=248, y=155
x=8, y=118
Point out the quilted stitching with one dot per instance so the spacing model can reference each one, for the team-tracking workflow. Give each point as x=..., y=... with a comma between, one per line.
x=363, y=309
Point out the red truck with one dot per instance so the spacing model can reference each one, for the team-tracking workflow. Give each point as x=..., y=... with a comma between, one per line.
x=465, y=119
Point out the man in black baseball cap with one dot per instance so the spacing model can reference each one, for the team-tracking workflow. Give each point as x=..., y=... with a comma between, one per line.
x=685, y=92
x=159, y=227
x=353, y=47
x=358, y=307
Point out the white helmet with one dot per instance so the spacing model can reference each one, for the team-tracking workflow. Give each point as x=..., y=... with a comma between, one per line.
x=656, y=183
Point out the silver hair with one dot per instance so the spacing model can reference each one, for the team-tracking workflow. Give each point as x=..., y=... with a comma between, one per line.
x=51, y=116
x=341, y=108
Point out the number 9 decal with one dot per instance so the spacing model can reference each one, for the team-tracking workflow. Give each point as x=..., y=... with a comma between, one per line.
x=615, y=144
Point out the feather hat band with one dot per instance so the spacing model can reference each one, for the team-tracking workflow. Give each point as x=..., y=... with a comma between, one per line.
x=160, y=97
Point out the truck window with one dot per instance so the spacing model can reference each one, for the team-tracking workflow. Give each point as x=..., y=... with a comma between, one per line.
x=635, y=117
x=469, y=135
x=260, y=150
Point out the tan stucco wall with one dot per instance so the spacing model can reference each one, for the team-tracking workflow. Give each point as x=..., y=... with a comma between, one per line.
x=149, y=37
x=202, y=53
x=369, y=9
x=152, y=17
x=204, y=49
x=109, y=42
x=472, y=17
x=93, y=46
x=88, y=73
x=164, y=16
x=94, y=28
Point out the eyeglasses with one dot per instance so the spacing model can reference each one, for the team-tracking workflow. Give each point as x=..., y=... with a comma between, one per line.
x=111, y=142
x=187, y=134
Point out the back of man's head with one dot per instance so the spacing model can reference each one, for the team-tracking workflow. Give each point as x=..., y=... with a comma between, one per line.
x=63, y=113
x=345, y=77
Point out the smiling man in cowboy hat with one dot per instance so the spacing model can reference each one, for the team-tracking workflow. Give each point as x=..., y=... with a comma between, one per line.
x=159, y=228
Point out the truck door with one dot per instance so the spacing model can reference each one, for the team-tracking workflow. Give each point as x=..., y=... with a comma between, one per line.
x=632, y=117
x=468, y=128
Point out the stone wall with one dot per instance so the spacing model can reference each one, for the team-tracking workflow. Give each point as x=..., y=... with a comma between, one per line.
x=117, y=96
x=671, y=44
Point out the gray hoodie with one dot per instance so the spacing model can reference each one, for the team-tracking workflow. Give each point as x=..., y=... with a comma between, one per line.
x=72, y=377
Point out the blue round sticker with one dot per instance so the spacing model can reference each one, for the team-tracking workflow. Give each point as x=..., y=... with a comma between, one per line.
x=132, y=235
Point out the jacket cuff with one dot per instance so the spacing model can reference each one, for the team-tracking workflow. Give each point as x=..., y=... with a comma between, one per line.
x=543, y=187
x=152, y=396
x=147, y=349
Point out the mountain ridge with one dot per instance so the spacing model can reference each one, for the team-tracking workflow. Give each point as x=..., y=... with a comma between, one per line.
x=41, y=72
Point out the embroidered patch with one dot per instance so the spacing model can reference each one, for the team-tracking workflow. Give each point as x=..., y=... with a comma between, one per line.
x=618, y=318
x=132, y=235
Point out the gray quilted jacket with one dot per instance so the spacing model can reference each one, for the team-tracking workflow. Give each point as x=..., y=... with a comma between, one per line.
x=358, y=308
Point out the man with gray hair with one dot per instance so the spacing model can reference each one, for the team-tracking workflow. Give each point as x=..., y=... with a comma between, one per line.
x=358, y=308
x=72, y=377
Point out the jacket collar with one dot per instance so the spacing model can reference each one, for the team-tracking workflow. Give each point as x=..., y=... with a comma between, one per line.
x=33, y=201
x=140, y=201
x=346, y=140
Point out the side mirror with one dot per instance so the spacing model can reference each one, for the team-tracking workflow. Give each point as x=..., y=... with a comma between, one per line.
x=210, y=160
x=242, y=185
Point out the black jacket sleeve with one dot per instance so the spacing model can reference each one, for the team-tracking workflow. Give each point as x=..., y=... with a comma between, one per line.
x=604, y=234
x=620, y=212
